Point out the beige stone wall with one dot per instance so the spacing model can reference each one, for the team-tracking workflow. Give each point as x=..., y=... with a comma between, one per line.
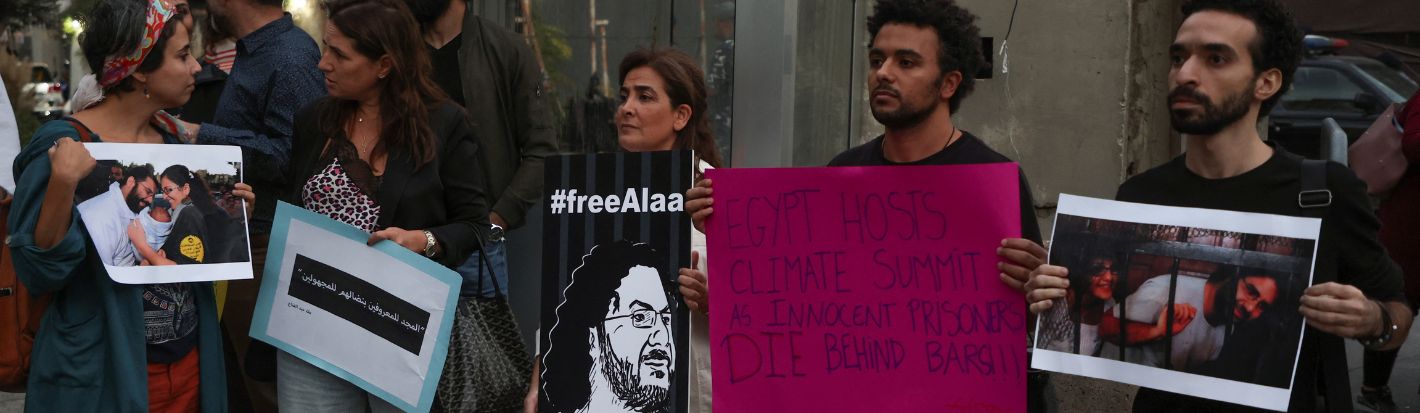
x=1082, y=104
x=1082, y=108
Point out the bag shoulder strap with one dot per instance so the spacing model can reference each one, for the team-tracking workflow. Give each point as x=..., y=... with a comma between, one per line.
x=85, y=135
x=1315, y=197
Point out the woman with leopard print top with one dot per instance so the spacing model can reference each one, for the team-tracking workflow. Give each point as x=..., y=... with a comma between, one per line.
x=388, y=153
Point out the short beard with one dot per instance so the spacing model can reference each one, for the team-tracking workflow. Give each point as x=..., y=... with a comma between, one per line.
x=625, y=384
x=1214, y=118
x=134, y=202
x=907, y=116
x=426, y=12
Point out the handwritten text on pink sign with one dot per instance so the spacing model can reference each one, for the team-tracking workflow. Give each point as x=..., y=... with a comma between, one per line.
x=865, y=289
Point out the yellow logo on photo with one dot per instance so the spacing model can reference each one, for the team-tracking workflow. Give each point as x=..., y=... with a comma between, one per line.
x=191, y=247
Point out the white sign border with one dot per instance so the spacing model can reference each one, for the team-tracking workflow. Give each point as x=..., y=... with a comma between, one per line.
x=165, y=155
x=1213, y=388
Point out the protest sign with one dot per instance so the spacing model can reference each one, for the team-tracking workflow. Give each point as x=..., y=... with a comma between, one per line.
x=1192, y=301
x=614, y=327
x=865, y=289
x=165, y=213
x=377, y=316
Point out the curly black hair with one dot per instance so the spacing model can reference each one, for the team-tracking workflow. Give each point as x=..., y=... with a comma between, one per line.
x=960, y=40
x=583, y=308
x=1279, y=41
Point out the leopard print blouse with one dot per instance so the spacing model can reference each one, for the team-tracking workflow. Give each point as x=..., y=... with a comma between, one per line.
x=345, y=189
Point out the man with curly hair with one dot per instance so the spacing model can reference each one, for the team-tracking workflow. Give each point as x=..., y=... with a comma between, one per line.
x=611, y=349
x=1231, y=62
x=923, y=57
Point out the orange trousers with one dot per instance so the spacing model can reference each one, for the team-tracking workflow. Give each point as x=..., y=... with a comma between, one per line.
x=172, y=388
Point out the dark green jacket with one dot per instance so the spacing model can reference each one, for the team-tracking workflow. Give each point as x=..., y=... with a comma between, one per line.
x=90, y=354
x=502, y=87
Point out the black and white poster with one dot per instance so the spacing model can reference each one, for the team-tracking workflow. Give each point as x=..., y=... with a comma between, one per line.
x=615, y=330
x=1192, y=301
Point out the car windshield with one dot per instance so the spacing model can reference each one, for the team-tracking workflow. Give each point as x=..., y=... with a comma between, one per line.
x=1402, y=86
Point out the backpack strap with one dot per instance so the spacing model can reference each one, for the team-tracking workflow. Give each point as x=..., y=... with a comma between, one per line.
x=85, y=135
x=1315, y=197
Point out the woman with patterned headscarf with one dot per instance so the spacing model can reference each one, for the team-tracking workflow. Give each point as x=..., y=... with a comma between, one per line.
x=104, y=346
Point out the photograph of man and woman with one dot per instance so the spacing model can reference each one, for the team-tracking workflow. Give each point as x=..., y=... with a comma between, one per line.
x=151, y=211
x=1200, y=301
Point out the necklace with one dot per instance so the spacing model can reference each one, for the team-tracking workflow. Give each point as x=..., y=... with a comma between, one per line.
x=950, y=139
x=359, y=116
x=364, y=147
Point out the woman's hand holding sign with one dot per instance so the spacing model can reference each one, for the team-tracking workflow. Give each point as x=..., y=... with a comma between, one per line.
x=413, y=240
x=693, y=285
x=698, y=202
x=68, y=162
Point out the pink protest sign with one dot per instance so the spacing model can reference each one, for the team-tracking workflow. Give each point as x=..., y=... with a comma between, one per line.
x=865, y=289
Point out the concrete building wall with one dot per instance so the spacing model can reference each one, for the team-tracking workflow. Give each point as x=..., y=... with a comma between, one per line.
x=1081, y=105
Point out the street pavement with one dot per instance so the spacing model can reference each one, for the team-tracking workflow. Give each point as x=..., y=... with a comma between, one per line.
x=1404, y=382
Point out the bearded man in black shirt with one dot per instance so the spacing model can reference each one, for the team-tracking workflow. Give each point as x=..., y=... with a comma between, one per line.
x=924, y=55
x=1232, y=60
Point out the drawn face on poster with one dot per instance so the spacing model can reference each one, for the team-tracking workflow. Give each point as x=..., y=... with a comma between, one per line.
x=614, y=331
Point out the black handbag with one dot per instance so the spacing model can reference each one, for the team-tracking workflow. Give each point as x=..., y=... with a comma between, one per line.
x=488, y=366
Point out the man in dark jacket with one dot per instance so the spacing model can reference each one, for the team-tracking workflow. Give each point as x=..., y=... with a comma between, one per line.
x=495, y=75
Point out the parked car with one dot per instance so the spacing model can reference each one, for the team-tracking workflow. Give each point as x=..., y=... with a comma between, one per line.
x=1353, y=90
x=48, y=94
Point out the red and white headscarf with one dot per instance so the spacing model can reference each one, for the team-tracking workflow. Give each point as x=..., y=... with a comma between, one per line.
x=117, y=68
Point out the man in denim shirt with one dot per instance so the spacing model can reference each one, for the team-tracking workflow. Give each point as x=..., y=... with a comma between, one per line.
x=274, y=77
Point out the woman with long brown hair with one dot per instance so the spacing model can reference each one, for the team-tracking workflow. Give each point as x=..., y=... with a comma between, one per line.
x=386, y=152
